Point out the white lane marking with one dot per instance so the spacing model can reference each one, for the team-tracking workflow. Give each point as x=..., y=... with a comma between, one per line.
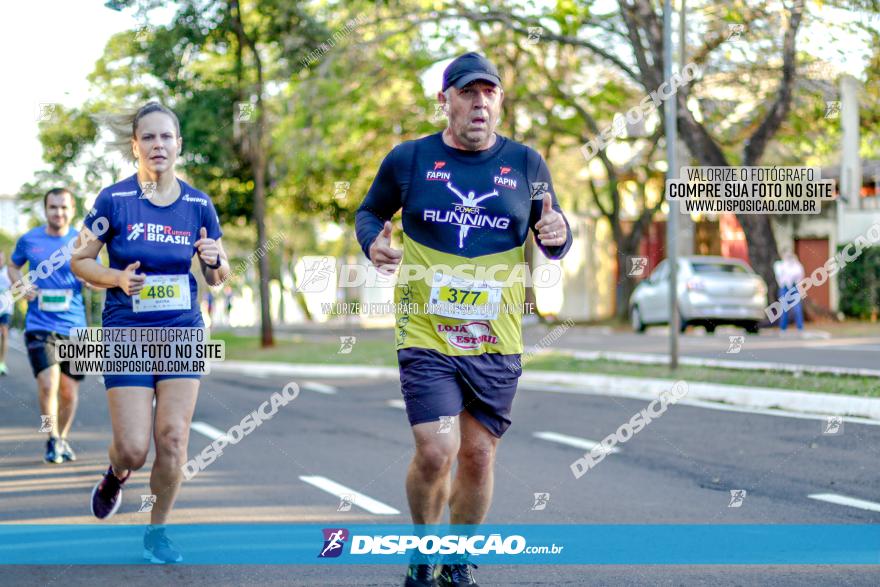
x=844, y=500
x=397, y=403
x=318, y=387
x=696, y=403
x=357, y=498
x=574, y=441
x=207, y=430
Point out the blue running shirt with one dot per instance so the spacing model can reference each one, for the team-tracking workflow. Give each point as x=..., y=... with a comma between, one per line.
x=161, y=238
x=49, y=258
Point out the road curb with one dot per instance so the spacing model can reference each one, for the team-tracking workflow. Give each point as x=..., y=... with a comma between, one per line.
x=806, y=402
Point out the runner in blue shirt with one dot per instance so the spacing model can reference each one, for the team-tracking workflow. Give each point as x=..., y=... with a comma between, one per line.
x=157, y=223
x=55, y=305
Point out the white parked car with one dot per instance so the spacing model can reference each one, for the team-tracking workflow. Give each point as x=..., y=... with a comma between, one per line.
x=711, y=291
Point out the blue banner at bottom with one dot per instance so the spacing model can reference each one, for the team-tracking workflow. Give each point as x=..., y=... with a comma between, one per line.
x=298, y=544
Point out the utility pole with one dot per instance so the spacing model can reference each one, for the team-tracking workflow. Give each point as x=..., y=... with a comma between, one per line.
x=670, y=111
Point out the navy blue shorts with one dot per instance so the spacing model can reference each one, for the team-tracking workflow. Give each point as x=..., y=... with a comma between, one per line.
x=435, y=385
x=4, y=319
x=142, y=379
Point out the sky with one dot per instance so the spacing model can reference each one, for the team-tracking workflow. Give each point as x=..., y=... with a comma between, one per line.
x=54, y=45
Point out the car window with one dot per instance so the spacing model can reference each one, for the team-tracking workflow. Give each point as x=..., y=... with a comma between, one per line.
x=661, y=272
x=719, y=267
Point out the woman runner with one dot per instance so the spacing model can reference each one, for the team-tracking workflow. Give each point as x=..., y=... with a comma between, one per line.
x=157, y=222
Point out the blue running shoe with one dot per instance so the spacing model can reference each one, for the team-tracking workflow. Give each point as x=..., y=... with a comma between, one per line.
x=420, y=576
x=158, y=548
x=66, y=452
x=457, y=576
x=53, y=451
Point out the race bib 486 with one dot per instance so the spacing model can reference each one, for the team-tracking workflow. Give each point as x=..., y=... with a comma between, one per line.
x=163, y=292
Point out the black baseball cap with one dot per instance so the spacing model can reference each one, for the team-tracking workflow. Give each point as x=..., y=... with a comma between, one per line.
x=467, y=68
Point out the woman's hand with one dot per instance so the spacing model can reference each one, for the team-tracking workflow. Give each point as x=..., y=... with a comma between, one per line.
x=209, y=251
x=129, y=281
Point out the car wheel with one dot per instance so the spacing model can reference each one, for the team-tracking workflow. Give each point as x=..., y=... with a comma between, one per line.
x=635, y=319
x=710, y=327
x=752, y=328
x=682, y=323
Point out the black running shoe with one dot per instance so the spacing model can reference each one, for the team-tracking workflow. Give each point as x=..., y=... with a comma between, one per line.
x=53, y=451
x=158, y=548
x=457, y=576
x=107, y=495
x=66, y=452
x=420, y=576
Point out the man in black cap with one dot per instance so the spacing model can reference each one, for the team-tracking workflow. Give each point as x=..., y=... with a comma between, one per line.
x=469, y=198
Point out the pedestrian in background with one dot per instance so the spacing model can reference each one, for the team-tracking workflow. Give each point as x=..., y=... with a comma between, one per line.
x=789, y=272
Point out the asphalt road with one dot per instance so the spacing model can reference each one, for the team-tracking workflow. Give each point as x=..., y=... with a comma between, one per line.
x=680, y=469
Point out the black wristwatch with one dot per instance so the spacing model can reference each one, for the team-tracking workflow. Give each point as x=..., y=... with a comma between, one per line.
x=218, y=265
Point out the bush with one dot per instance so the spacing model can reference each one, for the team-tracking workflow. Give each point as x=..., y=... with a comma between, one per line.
x=859, y=284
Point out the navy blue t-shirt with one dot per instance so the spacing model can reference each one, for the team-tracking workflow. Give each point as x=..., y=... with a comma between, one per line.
x=160, y=237
x=507, y=180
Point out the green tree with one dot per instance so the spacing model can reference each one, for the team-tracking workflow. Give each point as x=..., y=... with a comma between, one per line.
x=209, y=65
x=762, y=62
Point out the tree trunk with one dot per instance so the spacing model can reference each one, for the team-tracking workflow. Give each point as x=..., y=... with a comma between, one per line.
x=257, y=160
x=626, y=284
x=762, y=248
x=266, y=334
